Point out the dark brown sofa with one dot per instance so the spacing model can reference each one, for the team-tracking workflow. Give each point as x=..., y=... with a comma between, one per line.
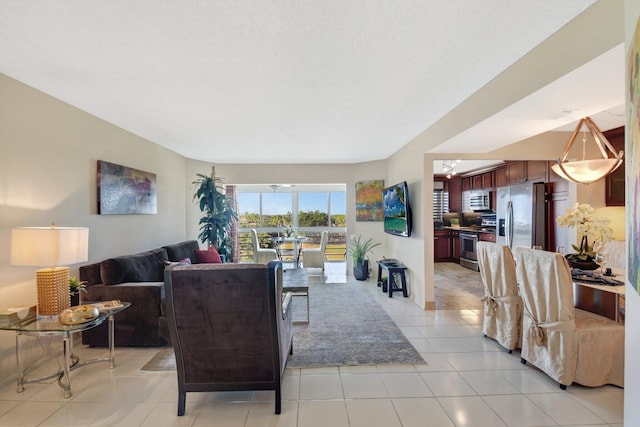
x=138, y=279
x=231, y=327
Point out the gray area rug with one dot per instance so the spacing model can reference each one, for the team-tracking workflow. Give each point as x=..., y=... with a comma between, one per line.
x=347, y=327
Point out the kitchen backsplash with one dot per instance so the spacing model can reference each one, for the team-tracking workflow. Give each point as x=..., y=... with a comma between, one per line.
x=466, y=219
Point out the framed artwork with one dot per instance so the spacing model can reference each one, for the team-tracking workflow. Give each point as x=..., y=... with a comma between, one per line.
x=369, y=200
x=125, y=191
x=632, y=165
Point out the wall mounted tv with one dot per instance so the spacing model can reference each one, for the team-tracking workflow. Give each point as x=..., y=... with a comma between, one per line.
x=397, y=210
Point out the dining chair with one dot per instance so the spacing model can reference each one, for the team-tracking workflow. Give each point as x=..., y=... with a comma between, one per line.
x=315, y=257
x=502, y=304
x=568, y=344
x=261, y=255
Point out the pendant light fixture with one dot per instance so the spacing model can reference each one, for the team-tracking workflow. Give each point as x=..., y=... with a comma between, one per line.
x=587, y=171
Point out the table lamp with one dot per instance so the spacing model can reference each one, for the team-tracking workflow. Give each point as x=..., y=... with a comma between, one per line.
x=54, y=248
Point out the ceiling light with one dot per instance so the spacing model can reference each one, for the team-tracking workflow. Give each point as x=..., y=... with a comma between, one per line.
x=448, y=167
x=587, y=171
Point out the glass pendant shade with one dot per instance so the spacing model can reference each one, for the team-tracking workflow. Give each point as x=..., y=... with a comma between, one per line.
x=587, y=171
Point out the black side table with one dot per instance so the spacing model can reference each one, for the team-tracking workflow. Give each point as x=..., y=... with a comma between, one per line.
x=394, y=269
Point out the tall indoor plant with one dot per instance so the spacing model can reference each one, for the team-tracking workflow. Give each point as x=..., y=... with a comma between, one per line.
x=359, y=251
x=219, y=214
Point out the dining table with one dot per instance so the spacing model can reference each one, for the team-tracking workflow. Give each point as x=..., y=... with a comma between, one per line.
x=295, y=241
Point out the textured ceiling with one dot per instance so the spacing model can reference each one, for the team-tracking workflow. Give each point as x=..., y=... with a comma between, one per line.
x=271, y=82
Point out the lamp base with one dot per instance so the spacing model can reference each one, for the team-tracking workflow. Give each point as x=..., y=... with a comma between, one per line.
x=53, y=290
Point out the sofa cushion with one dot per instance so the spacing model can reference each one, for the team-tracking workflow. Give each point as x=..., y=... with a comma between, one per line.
x=209, y=256
x=142, y=267
x=182, y=250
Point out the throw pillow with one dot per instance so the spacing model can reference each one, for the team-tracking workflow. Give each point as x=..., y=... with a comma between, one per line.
x=168, y=264
x=209, y=256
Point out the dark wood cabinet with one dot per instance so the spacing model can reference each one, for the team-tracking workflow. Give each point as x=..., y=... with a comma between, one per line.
x=537, y=171
x=516, y=172
x=487, y=237
x=442, y=246
x=467, y=184
x=477, y=182
x=487, y=180
x=500, y=177
x=455, y=195
x=523, y=170
x=455, y=246
x=615, y=182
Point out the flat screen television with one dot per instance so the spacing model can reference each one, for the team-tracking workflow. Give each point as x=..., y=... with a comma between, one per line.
x=397, y=210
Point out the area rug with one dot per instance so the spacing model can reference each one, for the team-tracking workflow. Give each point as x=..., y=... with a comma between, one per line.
x=347, y=327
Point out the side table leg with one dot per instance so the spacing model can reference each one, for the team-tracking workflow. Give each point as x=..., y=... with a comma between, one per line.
x=66, y=341
x=112, y=359
x=20, y=379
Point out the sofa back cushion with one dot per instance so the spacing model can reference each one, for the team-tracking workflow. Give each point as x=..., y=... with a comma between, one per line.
x=143, y=267
x=182, y=250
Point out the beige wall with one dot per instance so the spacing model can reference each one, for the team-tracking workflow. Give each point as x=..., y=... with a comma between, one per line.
x=48, y=160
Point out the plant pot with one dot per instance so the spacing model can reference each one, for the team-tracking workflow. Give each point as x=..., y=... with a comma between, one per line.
x=361, y=270
x=583, y=265
x=75, y=299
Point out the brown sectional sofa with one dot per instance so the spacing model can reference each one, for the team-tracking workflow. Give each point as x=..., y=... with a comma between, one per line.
x=138, y=279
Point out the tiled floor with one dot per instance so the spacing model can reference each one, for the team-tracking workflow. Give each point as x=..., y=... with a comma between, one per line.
x=468, y=381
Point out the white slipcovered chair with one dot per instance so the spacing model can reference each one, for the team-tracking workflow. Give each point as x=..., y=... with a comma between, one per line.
x=261, y=255
x=502, y=303
x=568, y=344
x=315, y=257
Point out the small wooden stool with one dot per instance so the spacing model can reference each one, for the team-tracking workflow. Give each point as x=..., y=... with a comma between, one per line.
x=394, y=269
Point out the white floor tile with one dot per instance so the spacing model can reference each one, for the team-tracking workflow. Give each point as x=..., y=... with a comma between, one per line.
x=420, y=412
x=518, y=411
x=608, y=405
x=372, y=413
x=322, y=413
x=405, y=385
x=470, y=411
x=488, y=383
x=448, y=384
x=262, y=414
x=564, y=409
x=320, y=387
x=29, y=413
x=358, y=386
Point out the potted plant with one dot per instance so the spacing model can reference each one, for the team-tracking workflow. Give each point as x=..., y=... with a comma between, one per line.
x=588, y=226
x=75, y=288
x=219, y=214
x=359, y=251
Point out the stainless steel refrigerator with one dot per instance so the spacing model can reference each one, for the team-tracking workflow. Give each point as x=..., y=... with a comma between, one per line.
x=521, y=215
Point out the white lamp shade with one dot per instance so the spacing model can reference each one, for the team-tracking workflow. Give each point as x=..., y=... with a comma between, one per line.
x=586, y=171
x=49, y=246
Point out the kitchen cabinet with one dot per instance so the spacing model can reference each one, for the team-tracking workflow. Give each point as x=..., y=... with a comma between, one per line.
x=455, y=246
x=522, y=170
x=467, y=184
x=614, y=182
x=477, y=182
x=455, y=194
x=487, y=237
x=500, y=177
x=442, y=245
x=487, y=180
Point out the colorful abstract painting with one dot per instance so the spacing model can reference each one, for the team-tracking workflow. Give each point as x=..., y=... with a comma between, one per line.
x=632, y=155
x=123, y=190
x=369, y=200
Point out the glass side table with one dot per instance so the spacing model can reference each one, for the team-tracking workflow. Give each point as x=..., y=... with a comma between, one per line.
x=52, y=327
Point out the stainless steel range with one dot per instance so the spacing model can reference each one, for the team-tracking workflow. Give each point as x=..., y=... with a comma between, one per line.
x=468, y=257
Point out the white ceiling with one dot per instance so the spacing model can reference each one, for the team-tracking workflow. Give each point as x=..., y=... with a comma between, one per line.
x=283, y=82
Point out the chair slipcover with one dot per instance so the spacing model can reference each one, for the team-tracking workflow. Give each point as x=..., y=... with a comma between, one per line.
x=569, y=345
x=315, y=257
x=261, y=255
x=502, y=304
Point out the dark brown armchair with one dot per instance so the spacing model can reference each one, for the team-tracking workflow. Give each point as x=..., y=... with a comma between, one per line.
x=230, y=326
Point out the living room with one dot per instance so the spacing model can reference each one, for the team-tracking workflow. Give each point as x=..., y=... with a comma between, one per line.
x=49, y=152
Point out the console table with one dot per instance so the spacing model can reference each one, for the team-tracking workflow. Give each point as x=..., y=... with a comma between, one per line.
x=53, y=327
x=394, y=269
